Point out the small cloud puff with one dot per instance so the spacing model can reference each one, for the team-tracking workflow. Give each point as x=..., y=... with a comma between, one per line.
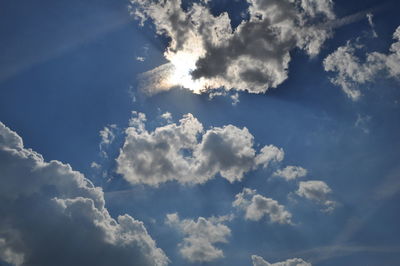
x=291, y=172
x=200, y=237
x=259, y=261
x=317, y=191
x=257, y=206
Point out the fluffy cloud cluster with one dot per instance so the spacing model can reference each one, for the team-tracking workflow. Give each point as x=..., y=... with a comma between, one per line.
x=259, y=261
x=187, y=153
x=200, y=237
x=317, y=191
x=253, y=57
x=257, y=206
x=351, y=71
x=291, y=172
x=52, y=215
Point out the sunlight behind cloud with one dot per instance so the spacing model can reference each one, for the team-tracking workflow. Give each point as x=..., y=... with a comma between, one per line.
x=182, y=64
x=177, y=73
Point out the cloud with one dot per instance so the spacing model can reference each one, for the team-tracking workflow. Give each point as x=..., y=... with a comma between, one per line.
x=351, y=71
x=186, y=153
x=259, y=261
x=370, y=16
x=362, y=123
x=206, y=53
x=291, y=172
x=257, y=206
x=317, y=191
x=52, y=215
x=200, y=237
x=108, y=135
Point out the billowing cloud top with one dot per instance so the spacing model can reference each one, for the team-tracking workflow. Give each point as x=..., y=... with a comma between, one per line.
x=188, y=154
x=48, y=210
x=206, y=53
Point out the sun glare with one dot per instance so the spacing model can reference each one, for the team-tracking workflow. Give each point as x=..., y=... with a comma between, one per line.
x=183, y=63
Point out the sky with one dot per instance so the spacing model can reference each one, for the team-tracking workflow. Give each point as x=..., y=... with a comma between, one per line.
x=199, y=132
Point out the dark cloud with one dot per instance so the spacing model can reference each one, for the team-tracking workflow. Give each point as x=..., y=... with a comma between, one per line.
x=253, y=57
x=52, y=215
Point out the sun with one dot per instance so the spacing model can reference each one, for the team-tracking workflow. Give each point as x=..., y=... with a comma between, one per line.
x=182, y=63
x=177, y=72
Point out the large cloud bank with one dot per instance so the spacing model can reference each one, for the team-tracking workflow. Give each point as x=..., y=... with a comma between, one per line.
x=52, y=215
x=253, y=57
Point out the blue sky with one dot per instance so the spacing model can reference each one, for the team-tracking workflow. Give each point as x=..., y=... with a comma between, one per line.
x=74, y=86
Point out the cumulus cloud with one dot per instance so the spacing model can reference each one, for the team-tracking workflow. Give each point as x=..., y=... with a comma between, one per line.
x=200, y=237
x=351, y=71
x=317, y=191
x=259, y=261
x=188, y=154
x=52, y=215
x=205, y=52
x=257, y=206
x=291, y=172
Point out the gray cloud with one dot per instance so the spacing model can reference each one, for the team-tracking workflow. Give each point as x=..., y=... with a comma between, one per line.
x=253, y=57
x=259, y=261
x=257, y=206
x=200, y=237
x=52, y=215
x=317, y=191
x=350, y=71
x=187, y=153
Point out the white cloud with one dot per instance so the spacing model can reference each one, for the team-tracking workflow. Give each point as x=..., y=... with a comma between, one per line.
x=107, y=135
x=257, y=206
x=200, y=237
x=52, y=215
x=235, y=99
x=317, y=191
x=187, y=153
x=291, y=172
x=370, y=17
x=95, y=165
x=351, y=71
x=259, y=261
x=253, y=57
x=167, y=116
